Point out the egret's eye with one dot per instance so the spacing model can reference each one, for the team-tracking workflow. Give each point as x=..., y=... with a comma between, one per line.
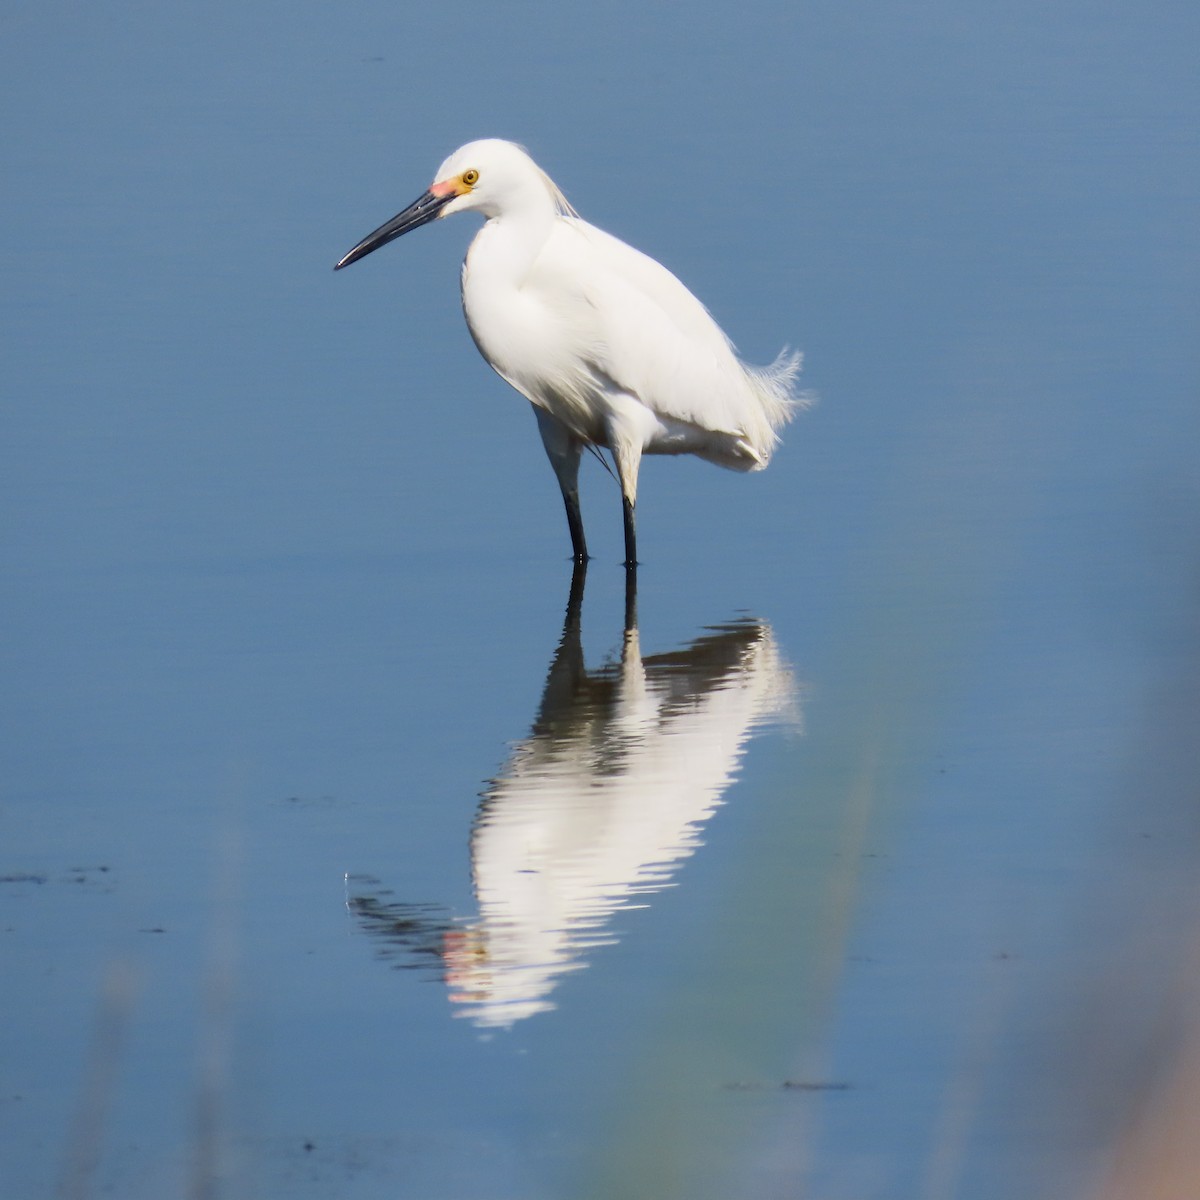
x=471, y=177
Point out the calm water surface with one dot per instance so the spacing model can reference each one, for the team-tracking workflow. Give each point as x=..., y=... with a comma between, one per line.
x=352, y=848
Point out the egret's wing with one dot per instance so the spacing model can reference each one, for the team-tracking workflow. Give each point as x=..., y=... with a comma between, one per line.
x=614, y=257
x=640, y=328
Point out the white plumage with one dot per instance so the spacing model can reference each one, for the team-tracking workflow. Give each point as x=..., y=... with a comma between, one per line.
x=606, y=344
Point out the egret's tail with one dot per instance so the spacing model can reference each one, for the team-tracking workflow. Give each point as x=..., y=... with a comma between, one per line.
x=778, y=398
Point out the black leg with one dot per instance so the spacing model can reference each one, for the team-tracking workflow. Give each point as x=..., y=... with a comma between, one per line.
x=563, y=451
x=630, y=532
x=575, y=525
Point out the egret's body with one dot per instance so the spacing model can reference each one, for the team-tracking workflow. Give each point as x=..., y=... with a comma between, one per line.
x=606, y=344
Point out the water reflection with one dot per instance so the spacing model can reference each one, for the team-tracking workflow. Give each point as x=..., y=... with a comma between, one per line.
x=595, y=810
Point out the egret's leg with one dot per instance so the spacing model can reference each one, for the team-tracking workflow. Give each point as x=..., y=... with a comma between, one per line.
x=564, y=452
x=575, y=525
x=628, y=426
x=629, y=508
x=628, y=458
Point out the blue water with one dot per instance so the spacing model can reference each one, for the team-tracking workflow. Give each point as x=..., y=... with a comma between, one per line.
x=867, y=866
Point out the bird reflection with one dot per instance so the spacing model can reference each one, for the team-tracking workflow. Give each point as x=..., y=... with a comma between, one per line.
x=595, y=810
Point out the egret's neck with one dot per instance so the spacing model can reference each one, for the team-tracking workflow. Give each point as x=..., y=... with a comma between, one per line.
x=504, y=250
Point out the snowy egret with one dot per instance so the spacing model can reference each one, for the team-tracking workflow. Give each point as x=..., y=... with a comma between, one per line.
x=607, y=345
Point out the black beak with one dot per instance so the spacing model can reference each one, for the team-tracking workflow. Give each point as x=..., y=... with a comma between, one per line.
x=420, y=212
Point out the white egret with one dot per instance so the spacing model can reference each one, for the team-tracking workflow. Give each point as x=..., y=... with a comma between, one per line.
x=606, y=344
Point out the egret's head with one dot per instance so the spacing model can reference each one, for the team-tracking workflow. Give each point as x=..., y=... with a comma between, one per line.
x=489, y=176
